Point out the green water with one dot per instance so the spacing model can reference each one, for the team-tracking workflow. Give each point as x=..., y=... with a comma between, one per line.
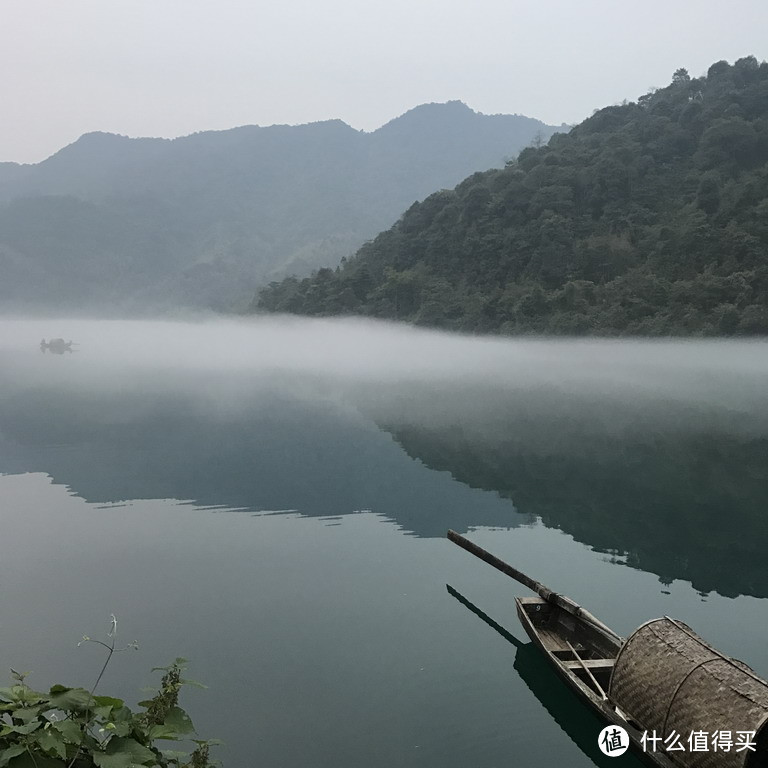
x=282, y=525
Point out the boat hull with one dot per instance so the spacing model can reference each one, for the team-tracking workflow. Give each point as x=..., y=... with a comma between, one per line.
x=582, y=655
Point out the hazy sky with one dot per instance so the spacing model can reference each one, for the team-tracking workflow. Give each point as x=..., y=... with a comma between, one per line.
x=172, y=67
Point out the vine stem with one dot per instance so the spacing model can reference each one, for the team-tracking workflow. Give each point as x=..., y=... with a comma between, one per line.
x=103, y=669
x=110, y=651
x=32, y=757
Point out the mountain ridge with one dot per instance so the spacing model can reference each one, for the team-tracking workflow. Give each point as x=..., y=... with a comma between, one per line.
x=224, y=211
x=455, y=105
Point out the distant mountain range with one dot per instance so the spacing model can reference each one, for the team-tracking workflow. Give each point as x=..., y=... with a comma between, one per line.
x=111, y=222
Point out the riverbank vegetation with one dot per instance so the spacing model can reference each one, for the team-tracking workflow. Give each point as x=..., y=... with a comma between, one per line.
x=74, y=728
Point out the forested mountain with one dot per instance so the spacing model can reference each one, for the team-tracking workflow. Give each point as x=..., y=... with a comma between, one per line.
x=648, y=218
x=203, y=220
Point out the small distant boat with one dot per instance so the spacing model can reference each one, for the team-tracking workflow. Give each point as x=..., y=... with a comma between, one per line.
x=57, y=346
x=663, y=682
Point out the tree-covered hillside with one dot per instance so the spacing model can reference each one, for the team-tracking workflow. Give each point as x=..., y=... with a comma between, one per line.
x=205, y=219
x=649, y=217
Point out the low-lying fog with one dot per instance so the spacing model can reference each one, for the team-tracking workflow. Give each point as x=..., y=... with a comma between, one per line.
x=394, y=372
x=144, y=474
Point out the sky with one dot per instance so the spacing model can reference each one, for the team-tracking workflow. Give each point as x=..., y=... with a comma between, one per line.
x=172, y=67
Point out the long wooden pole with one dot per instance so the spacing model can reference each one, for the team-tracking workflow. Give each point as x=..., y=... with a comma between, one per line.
x=587, y=670
x=536, y=586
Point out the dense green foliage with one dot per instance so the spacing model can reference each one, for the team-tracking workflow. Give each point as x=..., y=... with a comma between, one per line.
x=73, y=728
x=647, y=218
x=205, y=219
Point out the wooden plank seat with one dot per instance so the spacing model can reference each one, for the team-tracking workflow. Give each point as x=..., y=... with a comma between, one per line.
x=590, y=664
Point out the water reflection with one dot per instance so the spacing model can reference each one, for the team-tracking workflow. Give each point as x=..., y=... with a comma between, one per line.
x=683, y=505
x=341, y=638
x=654, y=453
x=679, y=502
x=280, y=452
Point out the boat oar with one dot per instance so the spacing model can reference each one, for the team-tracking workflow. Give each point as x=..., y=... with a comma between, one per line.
x=587, y=670
x=546, y=593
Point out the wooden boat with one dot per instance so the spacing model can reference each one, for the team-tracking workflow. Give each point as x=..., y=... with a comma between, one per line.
x=584, y=655
x=57, y=346
x=663, y=679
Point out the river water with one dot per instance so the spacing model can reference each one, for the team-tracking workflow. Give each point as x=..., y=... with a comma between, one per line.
x=270, y=498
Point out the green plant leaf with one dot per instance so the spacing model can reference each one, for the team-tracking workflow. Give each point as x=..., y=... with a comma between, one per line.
x=178, y=719
x=164, y=732
x=25, y=729
x=21, y=694
x=70, y=730
x=71, y=699
x=105, y=705
x=11, y=752
x=120, y=722
x=108, y=701
x=52, y=742
x=121, y=713
x=27, y=714
x=122, y=728
x=177, y=723
x=124, y=753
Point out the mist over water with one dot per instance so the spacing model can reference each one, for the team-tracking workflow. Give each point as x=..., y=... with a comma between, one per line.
x=386, y=364
x=141, y=474
x=588, y=435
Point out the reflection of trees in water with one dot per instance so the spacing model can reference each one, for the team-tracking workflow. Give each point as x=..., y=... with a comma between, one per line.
x=681, y=505
x=674, y=492
x=278, y=453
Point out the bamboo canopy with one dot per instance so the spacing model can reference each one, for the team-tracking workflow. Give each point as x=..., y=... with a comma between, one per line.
x=666, y=678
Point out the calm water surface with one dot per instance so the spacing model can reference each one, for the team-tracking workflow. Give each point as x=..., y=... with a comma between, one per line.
x=270, y=501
